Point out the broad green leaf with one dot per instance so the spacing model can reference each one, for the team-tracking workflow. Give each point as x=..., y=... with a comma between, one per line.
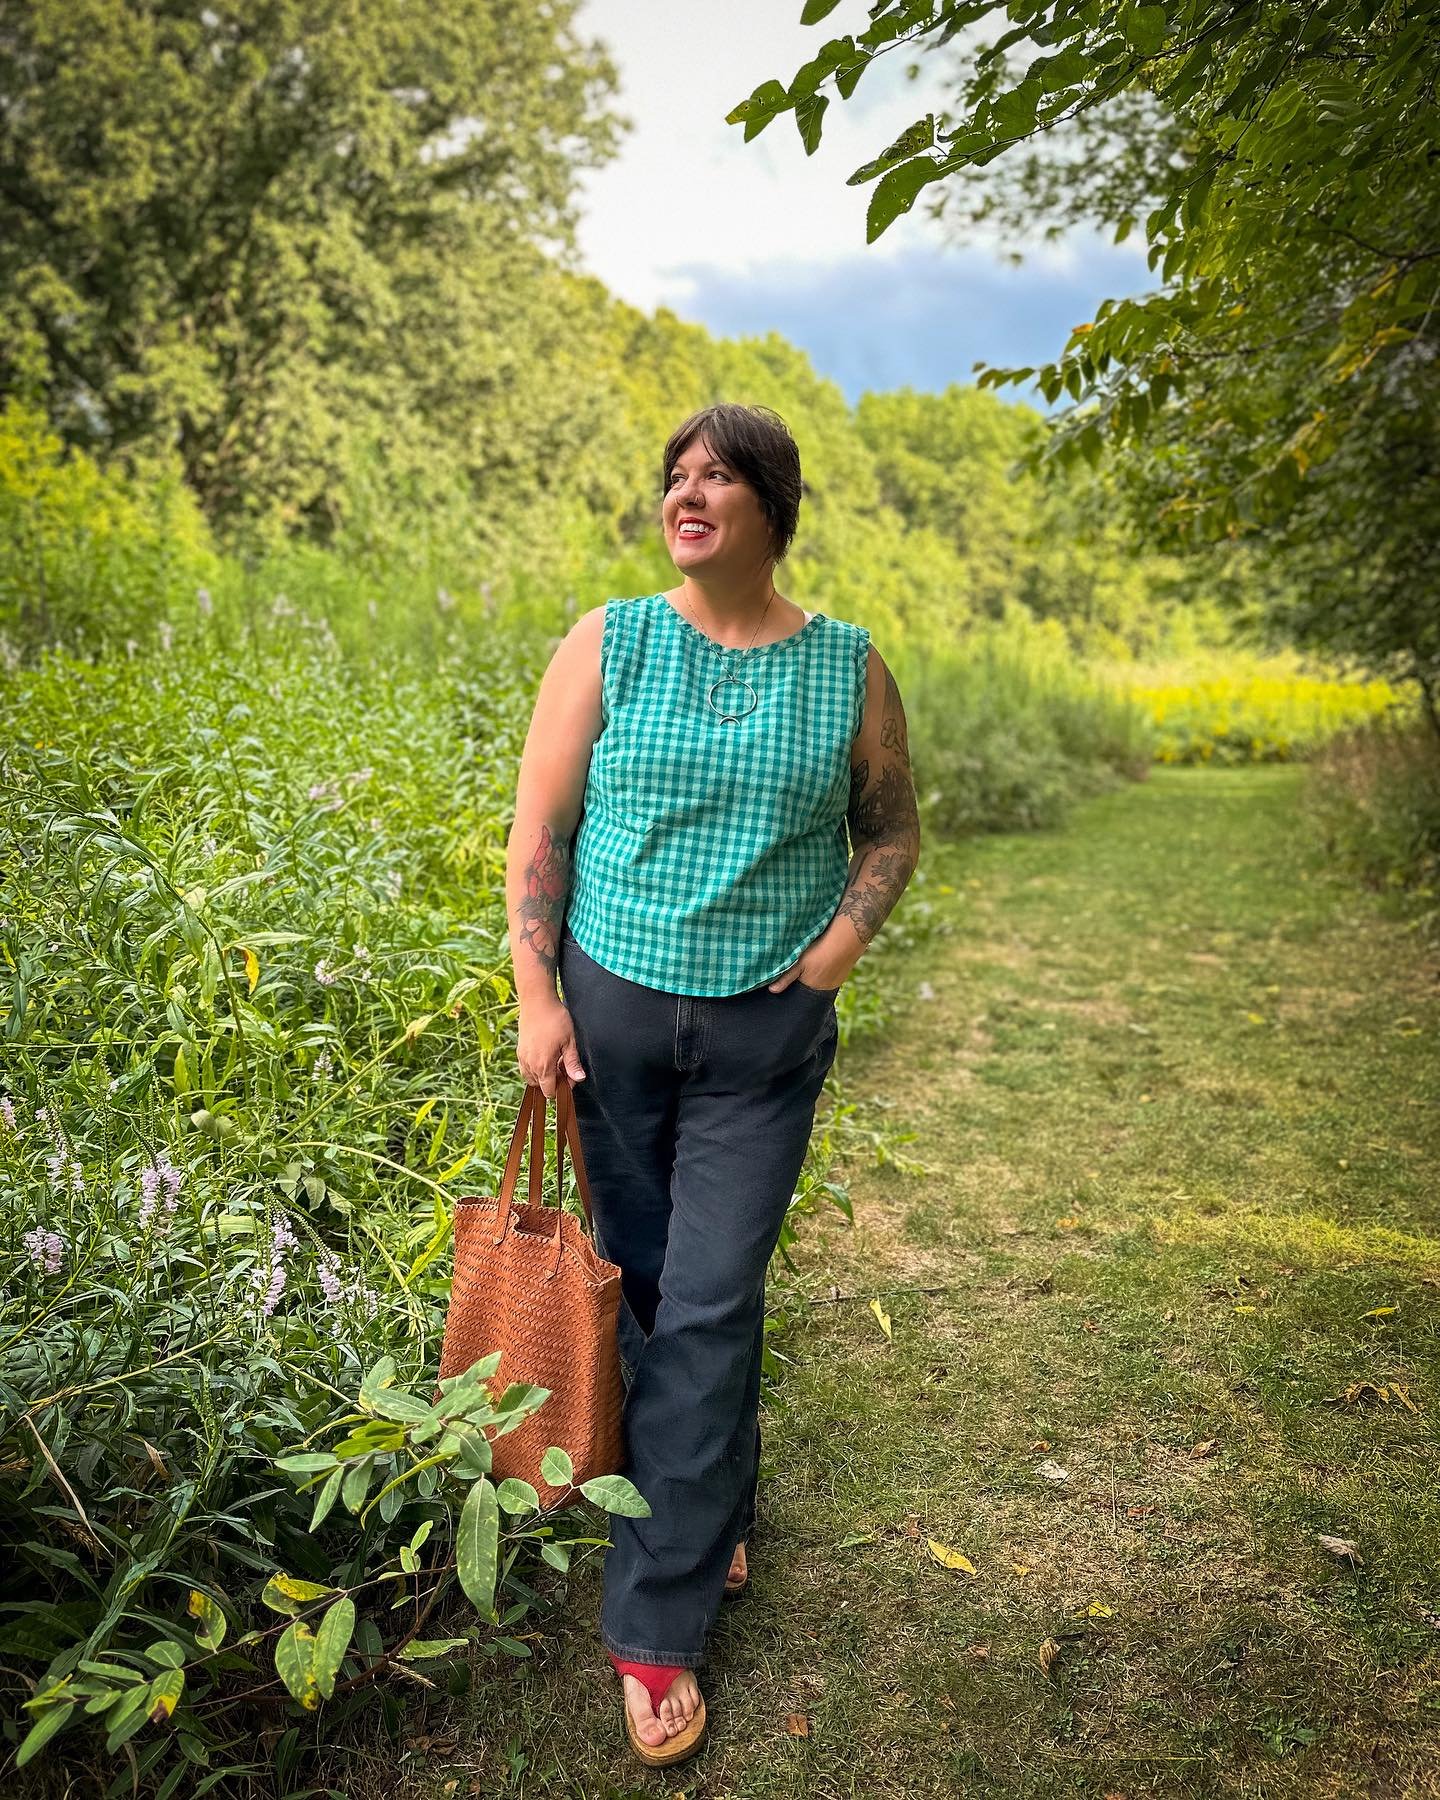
x=427, y=1649
x=167, y=1653
x=470, y=1448
x=477, y=1546
x=808, y=116
x=1144, y=28
x=289, y=1594
x=895, y=193
x=326, y=1498
x=381, y=1376
x=163, y=1695
x=556, y=1467
x=50, y=1723
x=356, y=1483
x=481, y=1370
x=332, y=1640
x=210, y=1633
x=517, y=1496
x=398, y=1406
x=617, y=1494
x=307, y=1462
x=295, y=1664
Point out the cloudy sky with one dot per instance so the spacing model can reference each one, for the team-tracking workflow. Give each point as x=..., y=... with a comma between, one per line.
x=749, y=238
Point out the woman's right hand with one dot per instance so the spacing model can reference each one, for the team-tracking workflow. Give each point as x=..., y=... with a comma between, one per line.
x=546, y=1039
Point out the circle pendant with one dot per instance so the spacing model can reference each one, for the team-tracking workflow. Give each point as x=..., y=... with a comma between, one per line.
x=727, y=715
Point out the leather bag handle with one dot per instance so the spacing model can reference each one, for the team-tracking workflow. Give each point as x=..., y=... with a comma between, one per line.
x=534, y=1109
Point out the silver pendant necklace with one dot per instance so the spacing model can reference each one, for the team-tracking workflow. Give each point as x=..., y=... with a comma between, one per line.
x=726, y=712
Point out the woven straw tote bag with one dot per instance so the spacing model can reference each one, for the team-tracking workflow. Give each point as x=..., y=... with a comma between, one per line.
x=530, y=1284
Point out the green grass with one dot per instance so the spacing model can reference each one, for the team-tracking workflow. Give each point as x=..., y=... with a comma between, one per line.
x=1157, y=1225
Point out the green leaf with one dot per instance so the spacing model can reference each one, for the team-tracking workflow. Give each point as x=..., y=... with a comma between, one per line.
x=398, y=1406
x=356, y=1484
x=617, y=1495
x=427, y=1649
x=477, y=1546
x=808, y=116
x=816, y=10
x=295, y=1664
x=556, y=1467
x=163, y=1695
x=51, y=1722
x=326, y=1498
x=332, y=1640
x=557, y=1555
x=478, y=1371
x=210, y=1633
x=517, y=1496
x=381, y=1376
x=756, y=113
x=167, y=1653
x=308, y=1462
x=1144, y=28
x=1014, y=112
x=895, y=193
x=470, y=1448
x=289, y=1594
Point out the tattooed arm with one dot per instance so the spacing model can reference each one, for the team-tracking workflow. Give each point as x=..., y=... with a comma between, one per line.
x=884, y=819
x=884, y=836
x=549, y=796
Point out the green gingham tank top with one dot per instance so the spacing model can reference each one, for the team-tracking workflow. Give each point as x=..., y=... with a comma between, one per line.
x=709, y=855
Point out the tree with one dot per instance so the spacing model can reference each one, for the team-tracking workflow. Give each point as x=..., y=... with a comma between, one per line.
x=1281, y=385
x=267, y=235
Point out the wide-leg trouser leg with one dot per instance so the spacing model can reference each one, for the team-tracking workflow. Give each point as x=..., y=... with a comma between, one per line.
x=750, y=1068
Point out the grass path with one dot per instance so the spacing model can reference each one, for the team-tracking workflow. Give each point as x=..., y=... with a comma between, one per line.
x=1176, y=1096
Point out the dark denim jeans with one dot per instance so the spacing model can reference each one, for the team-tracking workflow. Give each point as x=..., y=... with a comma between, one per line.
x=694, y=1116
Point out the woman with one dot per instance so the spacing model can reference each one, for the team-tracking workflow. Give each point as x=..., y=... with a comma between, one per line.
x=679, y=859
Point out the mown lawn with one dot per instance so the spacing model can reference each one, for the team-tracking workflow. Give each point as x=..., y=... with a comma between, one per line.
x=1174, y=1088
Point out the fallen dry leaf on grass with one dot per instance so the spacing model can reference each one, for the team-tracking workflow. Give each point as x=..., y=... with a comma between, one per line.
x=1341, y=1547
x=948, y=1558
x=797, y=1725
x=1052, y=1471
x=882, y=1319
x=1049, y=1655
x=1360, y=1391
x=1208, y=1448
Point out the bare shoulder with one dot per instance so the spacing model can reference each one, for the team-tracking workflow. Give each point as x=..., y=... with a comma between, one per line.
x=882, y=728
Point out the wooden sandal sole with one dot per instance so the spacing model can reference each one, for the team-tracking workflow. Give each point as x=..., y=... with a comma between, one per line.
x=673, y=1750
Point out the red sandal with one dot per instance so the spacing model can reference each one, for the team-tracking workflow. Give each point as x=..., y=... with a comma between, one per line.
x=656, y=1679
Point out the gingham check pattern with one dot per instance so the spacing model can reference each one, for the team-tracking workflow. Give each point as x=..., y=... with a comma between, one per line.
x=709, y=855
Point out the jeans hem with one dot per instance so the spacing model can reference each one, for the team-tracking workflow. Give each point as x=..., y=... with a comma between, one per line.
x=679, y=1659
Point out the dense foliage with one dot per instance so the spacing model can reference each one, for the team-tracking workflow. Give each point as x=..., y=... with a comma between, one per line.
x=1281, y=382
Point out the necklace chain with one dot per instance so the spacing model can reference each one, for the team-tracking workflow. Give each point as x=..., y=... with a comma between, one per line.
x=723, y=651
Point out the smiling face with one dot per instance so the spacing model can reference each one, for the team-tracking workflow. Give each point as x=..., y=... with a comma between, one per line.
x=713, y=519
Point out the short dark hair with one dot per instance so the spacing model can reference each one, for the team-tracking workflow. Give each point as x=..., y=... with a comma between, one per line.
x=756, y=442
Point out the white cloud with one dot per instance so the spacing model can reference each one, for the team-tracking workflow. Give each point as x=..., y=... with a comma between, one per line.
x=686, y=188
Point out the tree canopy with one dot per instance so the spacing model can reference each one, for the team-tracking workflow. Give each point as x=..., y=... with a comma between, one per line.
x=1281, y=159
x=267, y=236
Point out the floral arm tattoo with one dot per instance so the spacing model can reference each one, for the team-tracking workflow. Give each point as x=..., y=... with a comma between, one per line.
x=884, y=823
x=547, y=885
